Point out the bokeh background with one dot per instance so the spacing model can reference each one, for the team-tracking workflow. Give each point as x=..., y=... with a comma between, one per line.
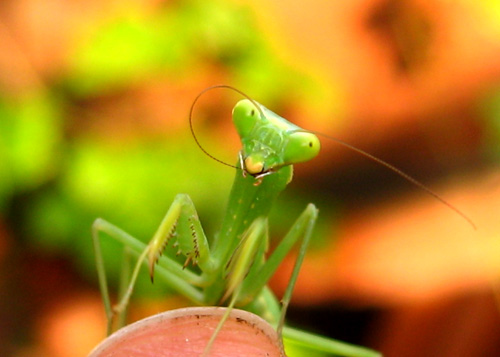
x=94, y=101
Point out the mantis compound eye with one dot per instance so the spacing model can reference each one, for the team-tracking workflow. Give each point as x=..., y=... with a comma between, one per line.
x=245, y=117
x=302, y=146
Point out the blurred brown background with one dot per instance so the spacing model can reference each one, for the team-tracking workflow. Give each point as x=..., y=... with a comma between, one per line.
x=94, y=97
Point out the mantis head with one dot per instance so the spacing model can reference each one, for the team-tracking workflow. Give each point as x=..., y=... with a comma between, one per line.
x=270, y=141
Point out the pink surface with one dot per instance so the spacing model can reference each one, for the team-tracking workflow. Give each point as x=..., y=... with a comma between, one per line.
x=185, y=332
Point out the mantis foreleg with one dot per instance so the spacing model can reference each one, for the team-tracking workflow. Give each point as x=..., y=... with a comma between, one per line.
x=180, y=224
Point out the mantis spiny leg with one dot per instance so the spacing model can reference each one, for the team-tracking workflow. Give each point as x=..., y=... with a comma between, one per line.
x=181, y=223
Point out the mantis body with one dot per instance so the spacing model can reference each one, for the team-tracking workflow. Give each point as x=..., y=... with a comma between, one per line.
x=232, y=268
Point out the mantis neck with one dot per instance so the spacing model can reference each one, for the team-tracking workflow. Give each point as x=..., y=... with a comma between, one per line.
x=246, y=203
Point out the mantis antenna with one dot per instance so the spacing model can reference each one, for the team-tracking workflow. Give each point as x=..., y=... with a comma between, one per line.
x=338, y=141
x=397, y=171
x=217, y=86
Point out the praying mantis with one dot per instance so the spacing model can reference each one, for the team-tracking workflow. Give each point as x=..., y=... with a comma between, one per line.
x=233, y=268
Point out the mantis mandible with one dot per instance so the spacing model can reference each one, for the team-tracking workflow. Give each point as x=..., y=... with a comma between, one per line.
x=233, y=268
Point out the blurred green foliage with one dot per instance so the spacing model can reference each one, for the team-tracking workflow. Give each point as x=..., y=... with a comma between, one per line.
x=30, y=136
x=178, y=42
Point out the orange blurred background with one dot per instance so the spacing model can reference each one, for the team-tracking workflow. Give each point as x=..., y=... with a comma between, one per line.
x=94, y=99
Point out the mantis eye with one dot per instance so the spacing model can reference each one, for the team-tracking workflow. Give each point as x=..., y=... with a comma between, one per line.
x=301, y=147
x=245, y=116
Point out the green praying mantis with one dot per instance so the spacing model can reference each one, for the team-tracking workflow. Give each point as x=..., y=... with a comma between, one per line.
x=233, y=268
